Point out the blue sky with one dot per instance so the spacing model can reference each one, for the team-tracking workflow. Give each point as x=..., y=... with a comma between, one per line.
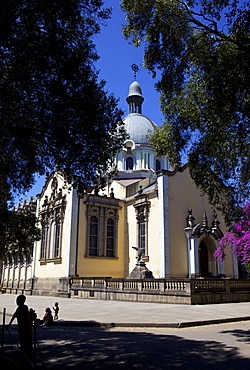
x=116, y=58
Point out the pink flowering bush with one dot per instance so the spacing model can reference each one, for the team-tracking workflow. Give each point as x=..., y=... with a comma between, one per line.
x=238, y=239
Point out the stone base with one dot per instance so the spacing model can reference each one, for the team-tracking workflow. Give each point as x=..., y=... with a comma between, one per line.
x=131, y=296
x=56, y=287
x=140, y=272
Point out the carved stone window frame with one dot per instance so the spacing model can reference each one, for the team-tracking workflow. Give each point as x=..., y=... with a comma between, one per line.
x=142, y=206
x=103, y=208
x=52, y=217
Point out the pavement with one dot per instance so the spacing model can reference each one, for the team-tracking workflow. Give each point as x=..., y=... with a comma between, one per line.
x=101, y=313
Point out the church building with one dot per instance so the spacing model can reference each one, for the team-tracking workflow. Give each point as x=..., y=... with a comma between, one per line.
x=148, y=209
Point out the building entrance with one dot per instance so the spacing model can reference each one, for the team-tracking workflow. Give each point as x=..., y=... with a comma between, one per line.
x=203, y=260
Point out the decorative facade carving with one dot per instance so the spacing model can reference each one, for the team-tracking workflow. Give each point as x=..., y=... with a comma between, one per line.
x=52, y=216
x=102, y=225
x=142, y=205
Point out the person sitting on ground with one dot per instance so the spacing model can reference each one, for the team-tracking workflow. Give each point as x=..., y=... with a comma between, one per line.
x=47, y=318
x=56, y=311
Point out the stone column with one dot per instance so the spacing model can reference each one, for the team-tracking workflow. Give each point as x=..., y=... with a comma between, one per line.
x=120, y=162
x=235, y=268
x=164, y=226
x=138, y=161
x=193, y=257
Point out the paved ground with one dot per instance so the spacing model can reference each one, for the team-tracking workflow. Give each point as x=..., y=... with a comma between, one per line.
x=211, y=347
x=79, y=346
x=118, y=313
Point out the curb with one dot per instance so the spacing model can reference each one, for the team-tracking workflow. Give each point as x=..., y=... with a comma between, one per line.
x=212, y=322
x=177, y=325
x=149, y=325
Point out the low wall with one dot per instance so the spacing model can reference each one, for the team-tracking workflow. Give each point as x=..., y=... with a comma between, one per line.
x=177, y=291
x=207, y=291
x=17, y=287
x=55, y=287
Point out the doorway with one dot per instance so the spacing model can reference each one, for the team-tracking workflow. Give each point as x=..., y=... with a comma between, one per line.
x=203, y=260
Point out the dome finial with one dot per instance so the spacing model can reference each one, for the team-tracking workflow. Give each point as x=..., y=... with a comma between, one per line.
x=135, y=68
x=135, y=98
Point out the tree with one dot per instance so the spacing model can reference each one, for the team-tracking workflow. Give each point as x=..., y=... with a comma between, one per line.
x=201, y=51
x=238, y=239
x=54, y=111
x=20, y=232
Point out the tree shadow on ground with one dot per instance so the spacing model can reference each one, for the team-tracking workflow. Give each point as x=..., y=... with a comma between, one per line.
x=242, y=335
x=98, y=348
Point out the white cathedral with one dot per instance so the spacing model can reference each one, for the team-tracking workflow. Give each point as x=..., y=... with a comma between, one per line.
x=147, y=204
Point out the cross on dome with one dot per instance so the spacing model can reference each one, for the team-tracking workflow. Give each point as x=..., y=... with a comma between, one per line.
x=135, y=68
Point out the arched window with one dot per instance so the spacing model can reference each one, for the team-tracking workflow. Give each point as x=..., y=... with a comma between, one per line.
x=28, y=259
x=93, y=236
x=110, y=238
x=129, y=163
x=102, y=223
x=52, y=216
x=142, y=213
x=57, y=238
x=22, y=260
x=142, y=235
x=16, y=260
x=43, y=242
x=157, y=164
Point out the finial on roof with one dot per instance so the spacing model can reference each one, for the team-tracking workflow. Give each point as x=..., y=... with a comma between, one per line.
x=135, y=68
x=205, y=222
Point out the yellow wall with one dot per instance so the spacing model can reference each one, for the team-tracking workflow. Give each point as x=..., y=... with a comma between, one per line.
x=100, y=266
x=182, y=195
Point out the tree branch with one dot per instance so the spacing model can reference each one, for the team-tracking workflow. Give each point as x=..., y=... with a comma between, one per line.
x=212, y=30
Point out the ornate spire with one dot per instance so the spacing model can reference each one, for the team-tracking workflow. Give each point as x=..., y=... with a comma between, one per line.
x=205, y=228
x=190, y=218
x=135, y=68
x=204, y=221
x=135, y=98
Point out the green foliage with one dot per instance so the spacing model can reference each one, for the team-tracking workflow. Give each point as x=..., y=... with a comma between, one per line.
x=201, y=52
x=54, y=112
x=247, y=267
x=18, y=233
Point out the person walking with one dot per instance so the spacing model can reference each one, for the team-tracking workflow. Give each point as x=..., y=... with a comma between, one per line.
x=56, y=311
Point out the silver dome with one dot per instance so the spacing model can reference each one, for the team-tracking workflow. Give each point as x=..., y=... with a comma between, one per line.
x=138, y=127
x=135, y=89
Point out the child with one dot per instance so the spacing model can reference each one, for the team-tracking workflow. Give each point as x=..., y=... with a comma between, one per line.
x=47, y=318
x=56, y=310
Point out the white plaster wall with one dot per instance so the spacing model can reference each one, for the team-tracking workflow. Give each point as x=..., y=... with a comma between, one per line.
x=119, y=190
x=163, y=219
x=153, y=263
x=55, y=268
x=153, y=238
